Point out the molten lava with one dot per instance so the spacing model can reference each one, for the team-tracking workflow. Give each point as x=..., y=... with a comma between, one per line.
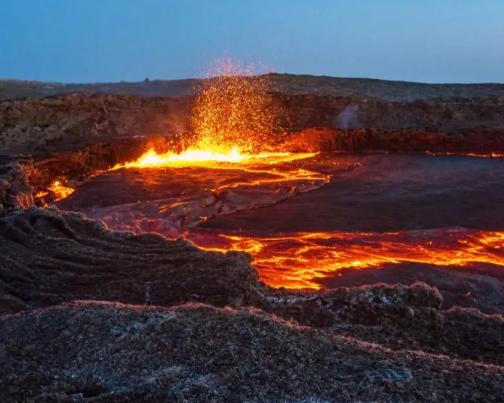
x=61, y=191
x=57, y=189
x=298, y=260
x=210, y=157
x=234, y=121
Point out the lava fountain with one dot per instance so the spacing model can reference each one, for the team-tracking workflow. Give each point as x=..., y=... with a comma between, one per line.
x=235, y=120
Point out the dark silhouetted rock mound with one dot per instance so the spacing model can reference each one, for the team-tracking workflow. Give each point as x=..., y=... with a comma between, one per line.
x=399, y=317
x=49, y=257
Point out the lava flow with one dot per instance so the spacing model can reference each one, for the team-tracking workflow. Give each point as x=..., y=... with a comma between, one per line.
x=301, y=260
x=57, y=189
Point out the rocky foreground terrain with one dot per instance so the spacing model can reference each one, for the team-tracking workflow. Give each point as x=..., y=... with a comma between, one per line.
x=87, y=314
x=176, y=323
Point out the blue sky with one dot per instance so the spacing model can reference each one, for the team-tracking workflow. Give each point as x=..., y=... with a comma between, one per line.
x=113, y=40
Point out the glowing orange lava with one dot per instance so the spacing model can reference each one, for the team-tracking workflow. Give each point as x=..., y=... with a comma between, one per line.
x=58, y=189
x=209, y=157
x=298, y=260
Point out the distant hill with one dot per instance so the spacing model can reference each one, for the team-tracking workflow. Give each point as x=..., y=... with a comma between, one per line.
x=17, y=89
x=379, y=89
x=284, y=83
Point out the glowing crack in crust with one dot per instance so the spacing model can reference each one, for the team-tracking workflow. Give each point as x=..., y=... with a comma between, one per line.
x=301, y=260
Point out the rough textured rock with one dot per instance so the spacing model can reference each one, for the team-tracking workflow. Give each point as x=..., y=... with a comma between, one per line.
x=70, y=122
x=74, y=167
x=111, y=352
x=361, y=139
x=15, y=188
x=399, y=91
x=450, y=114
x=50, y=257
x=478, y=286
x=399, y=317
x=283, y=83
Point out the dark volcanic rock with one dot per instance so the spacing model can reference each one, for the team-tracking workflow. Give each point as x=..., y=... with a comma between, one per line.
x=70, y=122
x=111, y=352
x=15, y=189
x=77, y=166
x=398, y=91
x=49, y=257
x=453, y=114
x=399, y=317
x=15, y=89
x=283, y=83
x=477, y=286
x=361, y=139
